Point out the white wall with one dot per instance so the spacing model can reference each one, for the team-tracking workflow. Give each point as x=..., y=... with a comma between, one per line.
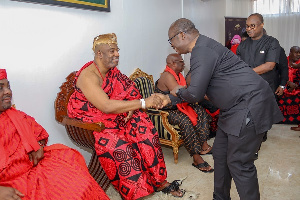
x=208, y=17
x=41, y=44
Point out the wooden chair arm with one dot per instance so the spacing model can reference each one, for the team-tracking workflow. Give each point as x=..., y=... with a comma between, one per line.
x=89, y=126
x=164, y=117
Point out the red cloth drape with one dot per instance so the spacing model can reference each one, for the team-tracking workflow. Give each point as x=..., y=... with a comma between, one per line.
x=61, y=174
x=26, y=133
x=183, y=107
x=130, y=153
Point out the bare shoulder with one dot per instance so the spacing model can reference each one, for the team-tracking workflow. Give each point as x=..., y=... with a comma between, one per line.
x=167, y=76
x=88, y=76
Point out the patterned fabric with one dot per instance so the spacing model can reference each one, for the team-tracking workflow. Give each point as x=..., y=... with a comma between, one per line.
x=193, y=136
x=130, y=153
x=145, y=87
x=290, y=108
x=294, y=76
x=61, y=174
x=289, y=102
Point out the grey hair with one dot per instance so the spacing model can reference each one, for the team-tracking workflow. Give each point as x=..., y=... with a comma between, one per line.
x=184, y=25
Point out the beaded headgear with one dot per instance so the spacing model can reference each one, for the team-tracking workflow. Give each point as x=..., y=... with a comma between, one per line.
x=109, y=38
x=3, y=74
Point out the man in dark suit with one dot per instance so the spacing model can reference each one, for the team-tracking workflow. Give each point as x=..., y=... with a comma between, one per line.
x=261, y=52
x=247, y=106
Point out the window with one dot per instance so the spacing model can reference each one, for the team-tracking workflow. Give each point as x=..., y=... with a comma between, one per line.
x=265, y=7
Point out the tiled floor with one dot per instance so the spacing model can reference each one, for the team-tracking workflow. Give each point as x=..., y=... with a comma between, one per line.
x=278, y=168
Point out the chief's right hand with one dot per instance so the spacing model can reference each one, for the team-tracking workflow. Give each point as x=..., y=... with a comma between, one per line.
x=9, y=193
x=165, y=99
x=153, y=102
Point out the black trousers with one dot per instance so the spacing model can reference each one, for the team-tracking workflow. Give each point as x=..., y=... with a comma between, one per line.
x=234, y=159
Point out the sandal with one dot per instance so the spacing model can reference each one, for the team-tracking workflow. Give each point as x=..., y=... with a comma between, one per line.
x=174, y=186
x=209, y=149
x=202, y=165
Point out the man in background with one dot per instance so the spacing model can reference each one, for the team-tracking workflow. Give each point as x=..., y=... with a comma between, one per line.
x=192, y=119
x=261, y=52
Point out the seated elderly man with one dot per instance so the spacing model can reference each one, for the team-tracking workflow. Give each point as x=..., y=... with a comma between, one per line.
x=128, y=148
x=192, y=119
x=31, y=170
x=289, y=101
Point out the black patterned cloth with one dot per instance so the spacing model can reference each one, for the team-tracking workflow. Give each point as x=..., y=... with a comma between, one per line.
x=130, y=153
x=193, y=136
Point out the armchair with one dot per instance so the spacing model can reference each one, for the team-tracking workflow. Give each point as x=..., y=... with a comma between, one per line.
x=168, y=134
x=80, y=132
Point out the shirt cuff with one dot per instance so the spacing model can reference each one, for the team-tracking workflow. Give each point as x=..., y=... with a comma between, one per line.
x=174, y=100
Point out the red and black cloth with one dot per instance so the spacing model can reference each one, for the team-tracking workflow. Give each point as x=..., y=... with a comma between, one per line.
x=289, y=102
x=130, y=153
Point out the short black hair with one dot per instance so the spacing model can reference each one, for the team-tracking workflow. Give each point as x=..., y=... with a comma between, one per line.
x=261, y=18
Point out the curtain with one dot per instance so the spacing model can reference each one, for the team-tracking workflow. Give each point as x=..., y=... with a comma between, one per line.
x=281, y=20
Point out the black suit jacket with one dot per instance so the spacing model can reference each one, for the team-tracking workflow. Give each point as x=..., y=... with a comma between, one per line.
x=231, y=85
x=282, y=69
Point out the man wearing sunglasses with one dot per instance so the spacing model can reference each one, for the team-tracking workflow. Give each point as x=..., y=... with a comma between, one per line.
x=246, y=102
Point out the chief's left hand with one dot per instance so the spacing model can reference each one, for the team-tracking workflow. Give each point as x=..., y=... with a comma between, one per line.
x=130, y=113
x=36, y=156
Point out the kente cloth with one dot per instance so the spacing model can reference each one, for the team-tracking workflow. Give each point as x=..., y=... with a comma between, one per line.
x=61, y=174
x=289, y=102
x=130, y=153
x=290, y=107
x=294, y=76
x=183, y=107
x=193, y=136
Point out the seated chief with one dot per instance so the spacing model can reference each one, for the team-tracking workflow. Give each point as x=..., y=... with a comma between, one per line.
x=128, y=148
x=291, y=95
x=29, y=169
x=192, y=119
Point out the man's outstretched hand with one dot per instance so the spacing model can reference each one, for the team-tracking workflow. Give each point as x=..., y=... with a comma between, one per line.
x=165, y=100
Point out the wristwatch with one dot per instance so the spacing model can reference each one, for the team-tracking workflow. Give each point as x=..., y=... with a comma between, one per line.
x=177, y=91
x=283, y=87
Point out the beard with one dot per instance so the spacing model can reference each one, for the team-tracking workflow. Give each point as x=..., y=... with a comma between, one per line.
x=6, y=106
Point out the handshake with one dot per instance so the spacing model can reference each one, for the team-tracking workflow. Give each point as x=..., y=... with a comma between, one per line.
x=157, y=101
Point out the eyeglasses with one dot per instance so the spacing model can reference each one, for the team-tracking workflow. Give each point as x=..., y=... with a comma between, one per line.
x=252, y=26
x=169, y=40
x=179, y=61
